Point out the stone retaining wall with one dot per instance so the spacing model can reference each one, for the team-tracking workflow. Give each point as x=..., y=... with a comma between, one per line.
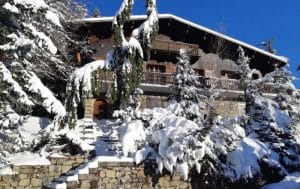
x=108, y=175
x=37, y=176
x=125, y=175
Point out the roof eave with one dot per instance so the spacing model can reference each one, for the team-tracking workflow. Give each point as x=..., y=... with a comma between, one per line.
x=282, y=59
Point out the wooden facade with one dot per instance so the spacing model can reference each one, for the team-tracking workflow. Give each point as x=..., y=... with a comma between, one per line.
x=175, y=34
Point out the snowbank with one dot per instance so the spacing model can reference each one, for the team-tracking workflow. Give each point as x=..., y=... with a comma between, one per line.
x=244, y=160
x=291, y=181
x=82, y=76
x=28, y=158
x=131, y=134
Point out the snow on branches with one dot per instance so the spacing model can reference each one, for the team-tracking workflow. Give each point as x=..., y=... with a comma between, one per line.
x=128, y=56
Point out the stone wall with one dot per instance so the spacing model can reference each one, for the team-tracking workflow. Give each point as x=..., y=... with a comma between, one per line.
x=229, y=109
x=108, y=175
x=37, y=176
x=125, y=175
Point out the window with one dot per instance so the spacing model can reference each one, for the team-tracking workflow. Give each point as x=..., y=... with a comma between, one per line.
x=230, y=74
x=156, y=68
x=199, y=72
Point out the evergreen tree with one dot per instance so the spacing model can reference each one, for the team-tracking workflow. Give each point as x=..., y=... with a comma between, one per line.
x=193, y=96
x=33, y=51
x=128, y=56
x=96, y=13
x=287, y=144
x=273, y=122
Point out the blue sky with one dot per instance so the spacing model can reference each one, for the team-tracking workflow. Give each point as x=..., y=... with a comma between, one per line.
x=249, y=21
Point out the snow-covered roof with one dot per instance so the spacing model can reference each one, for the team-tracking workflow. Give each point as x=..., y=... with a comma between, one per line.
x=197, y=26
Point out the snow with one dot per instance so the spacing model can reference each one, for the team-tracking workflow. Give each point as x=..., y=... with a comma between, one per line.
x=35, y=4
x=130, y=134
x=123, y=6
x=7, y=78
x=51, y=16
x=6, y=171
x=183, y=169
x=11, y=7
x=28, y=158
x=32, y=126
x=244, y=160
x=56, y=185
x=114, y=159
x=17, y=41
x=291, y=181
x=133, y=43
x=44, y=39
x=82, y=76
x=51, y=104
x=143, y=153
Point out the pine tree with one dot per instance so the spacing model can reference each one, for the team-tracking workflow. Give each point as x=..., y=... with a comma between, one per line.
x=273, y=122
x=33, y=54
x=193, y=96
x=128, y=56
x=288, y=99
x=96, y=13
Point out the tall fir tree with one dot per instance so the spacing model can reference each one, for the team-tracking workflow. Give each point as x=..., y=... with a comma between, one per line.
x=193, y=96
x=273, y=122
x=128, y=56
x=33, y=56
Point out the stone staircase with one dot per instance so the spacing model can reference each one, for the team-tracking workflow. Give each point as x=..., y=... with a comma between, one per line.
x=88, y=131
x=80, y=176
x=104, y=136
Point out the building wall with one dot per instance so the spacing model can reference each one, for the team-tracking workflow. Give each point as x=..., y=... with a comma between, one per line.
x=225, y=108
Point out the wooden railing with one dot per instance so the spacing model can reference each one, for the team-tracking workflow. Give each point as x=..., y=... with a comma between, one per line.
x=224, y=84
x=157, y=78
x=171, y=46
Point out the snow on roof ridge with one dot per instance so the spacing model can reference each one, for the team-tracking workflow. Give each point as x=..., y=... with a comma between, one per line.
x=180, y=19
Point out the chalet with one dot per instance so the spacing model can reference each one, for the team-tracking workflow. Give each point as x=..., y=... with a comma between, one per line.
x=212, y=54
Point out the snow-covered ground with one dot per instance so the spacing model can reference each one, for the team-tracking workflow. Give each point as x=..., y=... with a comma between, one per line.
x=291, y=181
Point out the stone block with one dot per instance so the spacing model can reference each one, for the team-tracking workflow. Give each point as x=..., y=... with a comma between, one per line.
x=24, y=182
x=36, y=182
x=84, y=184
x=113, y=181
x=110, y=173
x=65, y=168
x=184, y=185
x=55, y=169
x=83, y=176
x=93, y=170
x=102, y=174
x=26, y=170
x=140, y=174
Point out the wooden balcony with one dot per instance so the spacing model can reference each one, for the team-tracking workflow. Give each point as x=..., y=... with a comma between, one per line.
x=157, y=78
x=170, y=46
x=164, y=79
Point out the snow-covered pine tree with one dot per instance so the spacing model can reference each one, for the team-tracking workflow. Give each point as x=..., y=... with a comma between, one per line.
x=275, y=123
x=96, y=13
x=33, y=47
x=287, y=145
x=128, y=56
x=44, y=26
x=194, y=98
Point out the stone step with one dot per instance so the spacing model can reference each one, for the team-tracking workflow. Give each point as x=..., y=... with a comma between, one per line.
x=89, y=135
x=107, y=138
x=57, y=185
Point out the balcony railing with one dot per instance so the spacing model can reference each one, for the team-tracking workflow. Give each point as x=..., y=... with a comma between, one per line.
x=219, y=83
x=171, y=46
x=157, y=78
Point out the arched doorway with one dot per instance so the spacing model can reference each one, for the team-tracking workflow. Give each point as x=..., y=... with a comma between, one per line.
x=100, y=109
